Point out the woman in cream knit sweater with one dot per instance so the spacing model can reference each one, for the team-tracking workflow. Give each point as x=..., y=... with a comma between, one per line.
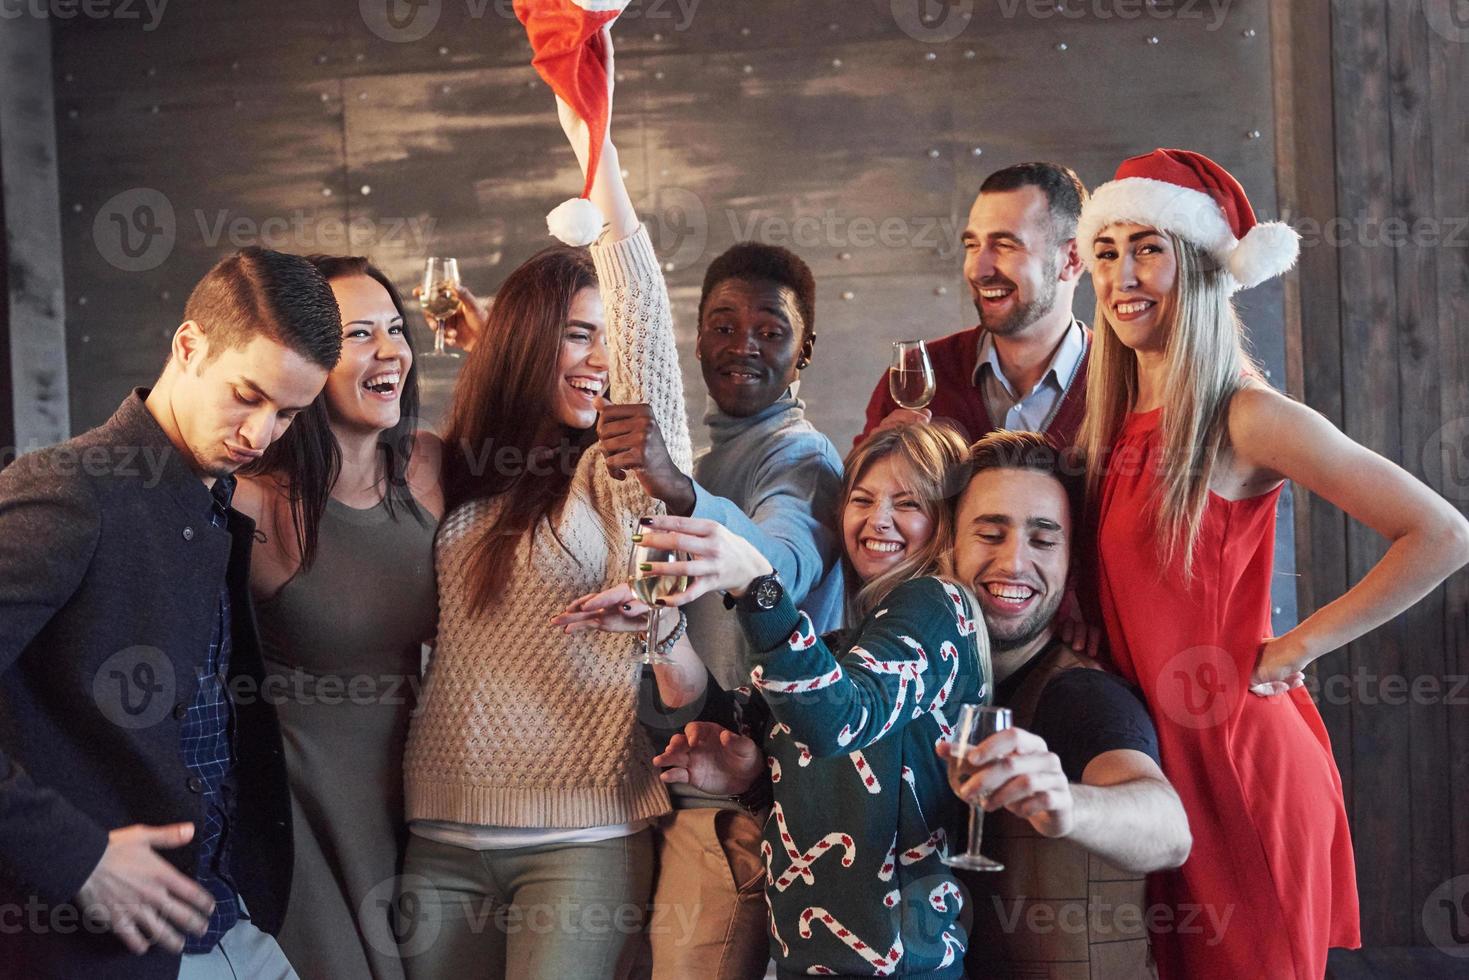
x=529, y=782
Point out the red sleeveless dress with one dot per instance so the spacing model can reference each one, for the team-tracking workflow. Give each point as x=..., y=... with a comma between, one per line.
x=1270, y=883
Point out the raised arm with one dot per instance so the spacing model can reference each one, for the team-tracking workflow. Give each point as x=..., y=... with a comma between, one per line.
x=787, y=523
x=908, y=659
x=643, y=366
x=1276, y=438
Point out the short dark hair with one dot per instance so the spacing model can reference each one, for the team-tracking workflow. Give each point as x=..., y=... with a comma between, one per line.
x=1065, y=193
x=260, y=292
x=752, y=261
x=1006, y=449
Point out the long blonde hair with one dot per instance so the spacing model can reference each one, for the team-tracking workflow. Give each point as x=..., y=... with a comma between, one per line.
x=935, y=470
x=1207, y=363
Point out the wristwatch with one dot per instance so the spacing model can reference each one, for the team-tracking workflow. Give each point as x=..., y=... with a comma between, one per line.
x=763, y=594
x=758, y=798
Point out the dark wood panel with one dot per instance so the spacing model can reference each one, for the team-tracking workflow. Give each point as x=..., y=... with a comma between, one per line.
x=841, y=154
x=156, y=188
x=1306, y=162
x=1382, y=806
x=1420, y=629
x=192, y=44
x=1446, y=456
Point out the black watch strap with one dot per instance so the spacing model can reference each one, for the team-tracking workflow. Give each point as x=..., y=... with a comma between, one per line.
x=758, y=798
x=763, y=594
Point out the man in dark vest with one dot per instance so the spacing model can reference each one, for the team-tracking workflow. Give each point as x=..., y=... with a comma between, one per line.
x=1077, y=809
x=1024, y=366
x=144, y=810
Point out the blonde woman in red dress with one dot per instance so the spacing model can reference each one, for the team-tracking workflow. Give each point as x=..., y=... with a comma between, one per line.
x=1187, y=450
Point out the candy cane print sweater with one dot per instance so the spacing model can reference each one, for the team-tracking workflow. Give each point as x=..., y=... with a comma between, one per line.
x=520, y=725
x=863, y=811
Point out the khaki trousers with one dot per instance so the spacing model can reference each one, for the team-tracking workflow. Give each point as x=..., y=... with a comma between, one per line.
x=709, y=918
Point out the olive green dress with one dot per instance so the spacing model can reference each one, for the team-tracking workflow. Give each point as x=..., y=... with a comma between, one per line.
x=342, y=645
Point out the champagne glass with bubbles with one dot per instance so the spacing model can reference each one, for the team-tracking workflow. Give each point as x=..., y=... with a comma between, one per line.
x=651, y=587
x=910, y=378
x=977, y=722
x=439, y=297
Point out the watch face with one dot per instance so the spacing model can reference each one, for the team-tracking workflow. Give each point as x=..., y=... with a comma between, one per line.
x=767, y=594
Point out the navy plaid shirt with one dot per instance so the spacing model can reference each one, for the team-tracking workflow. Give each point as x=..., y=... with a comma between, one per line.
x=207, y=737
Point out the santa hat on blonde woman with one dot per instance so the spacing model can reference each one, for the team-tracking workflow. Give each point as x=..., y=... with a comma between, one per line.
x=1197, y=200
x=571, y=56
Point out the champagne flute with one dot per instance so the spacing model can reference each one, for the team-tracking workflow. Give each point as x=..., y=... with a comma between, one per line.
x=977, y=722
x=910, y=377
x=439, y=298
x=651, y=588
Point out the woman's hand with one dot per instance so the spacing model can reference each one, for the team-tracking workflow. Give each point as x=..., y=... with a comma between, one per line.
x=1280, y=668
x=718, y=559
x=711, y=759
x=466, y=325
x=616, y=610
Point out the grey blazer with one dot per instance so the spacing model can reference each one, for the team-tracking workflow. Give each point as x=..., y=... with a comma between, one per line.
x=109, y=577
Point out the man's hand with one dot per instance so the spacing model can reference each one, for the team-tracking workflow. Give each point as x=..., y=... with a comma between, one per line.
x=1013, y=769
x=142, y=898
x=633, y=443
x=712, y=759
x=900, y=417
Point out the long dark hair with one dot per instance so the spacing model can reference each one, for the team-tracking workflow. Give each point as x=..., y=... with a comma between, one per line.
x=503, y=439
x=306, y=461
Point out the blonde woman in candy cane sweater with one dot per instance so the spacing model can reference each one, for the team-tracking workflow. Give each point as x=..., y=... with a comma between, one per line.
x=529, y=782
x=844, y=723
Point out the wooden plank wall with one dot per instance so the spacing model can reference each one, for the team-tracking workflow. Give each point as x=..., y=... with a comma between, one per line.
x=855, y=131
x=1377, y=143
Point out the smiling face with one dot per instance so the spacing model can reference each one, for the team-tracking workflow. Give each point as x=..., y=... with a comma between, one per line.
x=1010, y=261
x=1011, y=546
x=882, y=522
x=364, y=390
x=225, y=411
x=751, y=339
x=581, y=370
x=1136, y=268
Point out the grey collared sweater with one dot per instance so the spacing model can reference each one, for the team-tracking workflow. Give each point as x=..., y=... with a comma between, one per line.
x=776, y=481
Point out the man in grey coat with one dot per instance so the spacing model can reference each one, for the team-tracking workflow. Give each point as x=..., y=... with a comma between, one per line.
x=144, y=813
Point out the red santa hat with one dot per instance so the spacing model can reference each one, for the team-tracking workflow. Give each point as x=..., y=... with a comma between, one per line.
x=571, y=56
x=1199, y=201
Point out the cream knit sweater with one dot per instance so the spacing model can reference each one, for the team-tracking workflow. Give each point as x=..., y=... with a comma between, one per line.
x=520, y=725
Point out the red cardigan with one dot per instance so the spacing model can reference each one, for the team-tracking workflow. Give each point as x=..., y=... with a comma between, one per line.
x=957, y=400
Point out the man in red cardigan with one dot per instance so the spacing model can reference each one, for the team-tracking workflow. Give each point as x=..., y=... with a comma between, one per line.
x=1024, y=365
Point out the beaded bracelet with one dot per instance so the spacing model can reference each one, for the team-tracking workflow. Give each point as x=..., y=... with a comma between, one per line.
x=664, y=648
